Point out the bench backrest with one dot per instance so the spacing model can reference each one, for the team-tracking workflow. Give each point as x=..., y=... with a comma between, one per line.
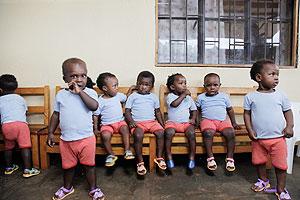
x=39, y=92
x=233, y=92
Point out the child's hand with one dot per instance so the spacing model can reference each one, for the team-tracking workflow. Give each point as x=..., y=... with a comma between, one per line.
x=236, y=126
x=50, y=140
x=97, y=132
x=252, y=136
x=192, y=121
x=132, y=124
x=288, y=132
x=73, y=87
x=187, y=92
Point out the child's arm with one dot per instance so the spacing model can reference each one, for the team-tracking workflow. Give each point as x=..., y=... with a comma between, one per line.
x=91, y=103
x=193, y=117
x=95, y=124
x=54, y=121
x=130, y=90
x=231, y=115
x=178, y=101
x=128, y=118
x=247, y=119
x=288, y=130
x=159, y=118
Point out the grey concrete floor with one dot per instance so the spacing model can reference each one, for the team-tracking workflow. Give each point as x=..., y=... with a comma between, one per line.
x=121, y=182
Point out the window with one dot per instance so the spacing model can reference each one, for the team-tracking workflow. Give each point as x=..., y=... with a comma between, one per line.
x=225, y=32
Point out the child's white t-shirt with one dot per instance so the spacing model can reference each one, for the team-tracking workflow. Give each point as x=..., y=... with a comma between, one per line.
x=142, y=106
x=110, y=110
x=12, y=108
x=213, y=107
x=75, y=118
x=267, y=113
x=181, y=113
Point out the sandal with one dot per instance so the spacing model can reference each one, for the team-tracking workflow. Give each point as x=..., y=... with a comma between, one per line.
x=62, y=193
x=96, y=194
x=141, y=170
x=230, y=164
x=161, y=163
x=30, y=172
x=211, y=164
x=10, y=170
x=283, y=195
x=261, y=185
x=170, y=164
x=128, y=155
x=110, y=160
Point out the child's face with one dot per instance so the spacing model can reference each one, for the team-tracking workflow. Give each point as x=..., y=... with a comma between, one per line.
x=144, y=85
x=212, y=85
x=76, y=72
x=111, y=86
x=269, y=76
x=179, y=85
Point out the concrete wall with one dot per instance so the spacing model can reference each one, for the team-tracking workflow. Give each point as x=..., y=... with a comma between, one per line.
x=110, y=35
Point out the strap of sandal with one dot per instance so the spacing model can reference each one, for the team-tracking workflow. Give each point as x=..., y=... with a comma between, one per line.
x=210, y=159
x=140, y=163
x=229, y=160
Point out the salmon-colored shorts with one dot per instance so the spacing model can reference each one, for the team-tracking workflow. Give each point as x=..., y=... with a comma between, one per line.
x=83, y=150
x=148, y=126
x=16, y=132
x=215, y=124
x=275, y=148
x=179, y=127
x=113, y=128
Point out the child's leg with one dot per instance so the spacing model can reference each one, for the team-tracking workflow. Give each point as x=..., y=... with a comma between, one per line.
x=262, y=172
x=190, y=134
x=281, y=179
x=90, y=172
x=8, y=158
x=68, y=177
x=229, y=135
x=138, y=134
x=208, y=135
x=26, y=156
x=106, y=139
x=160, y=142
x=124, y=131
x=170, y=132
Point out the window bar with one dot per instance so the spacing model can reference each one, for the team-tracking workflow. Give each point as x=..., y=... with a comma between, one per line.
x=279, y=46
x=170, y=25
x=201, y=29
x=234, y=25
x=247, y=33
x=229, y=43
x=272, y=30
x=266, y=30
x=186, y=30
x=219, y=31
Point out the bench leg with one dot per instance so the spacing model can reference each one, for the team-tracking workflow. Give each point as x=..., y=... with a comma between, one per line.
x=45, y=162
x=35, y=150
x=152, y=153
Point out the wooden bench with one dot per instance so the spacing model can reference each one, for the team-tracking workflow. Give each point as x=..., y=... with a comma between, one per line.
x=180, y=143
x=116, y=141
x=39, y=94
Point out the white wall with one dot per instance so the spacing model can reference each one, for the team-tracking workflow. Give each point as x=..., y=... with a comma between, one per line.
x=36, y=36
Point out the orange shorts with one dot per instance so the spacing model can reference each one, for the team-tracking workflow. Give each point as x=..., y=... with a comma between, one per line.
x=16, y=132
x=179, y=127
x=83, y=150
x=148, y=126
x=275, y=148
x=215, y=124
x=113, y=128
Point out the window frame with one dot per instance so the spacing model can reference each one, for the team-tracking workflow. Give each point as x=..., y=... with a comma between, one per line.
x=294, y=45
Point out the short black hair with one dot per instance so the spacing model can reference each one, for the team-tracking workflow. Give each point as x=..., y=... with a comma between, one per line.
x=102, y=78
x=146, y=74
x=211, y=75
x=71, y=61
x=8, y=82
x=171, y=80
x=90, y=83
x=258, y=66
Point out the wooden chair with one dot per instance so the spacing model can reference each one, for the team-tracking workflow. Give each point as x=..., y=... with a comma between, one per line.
x=37, y=110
